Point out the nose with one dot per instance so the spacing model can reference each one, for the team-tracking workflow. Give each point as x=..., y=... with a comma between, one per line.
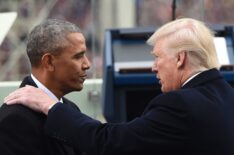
x=86, y=63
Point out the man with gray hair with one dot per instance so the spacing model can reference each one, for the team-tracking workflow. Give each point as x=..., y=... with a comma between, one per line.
x=193, y=116
x=56, y=50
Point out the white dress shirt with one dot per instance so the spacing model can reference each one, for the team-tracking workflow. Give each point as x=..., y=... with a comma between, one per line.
x=46, y=90
x=193, y=76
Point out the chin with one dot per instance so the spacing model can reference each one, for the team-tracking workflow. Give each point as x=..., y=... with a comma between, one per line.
x=79, y=88
x=163, y=90
x=76, y=88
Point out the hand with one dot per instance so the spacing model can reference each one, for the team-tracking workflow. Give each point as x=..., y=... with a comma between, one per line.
x=31, y=97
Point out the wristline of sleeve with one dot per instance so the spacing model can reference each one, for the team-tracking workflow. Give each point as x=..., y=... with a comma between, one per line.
x=53, y=107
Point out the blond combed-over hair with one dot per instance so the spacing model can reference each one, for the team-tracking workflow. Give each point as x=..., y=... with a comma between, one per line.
x=192, y=36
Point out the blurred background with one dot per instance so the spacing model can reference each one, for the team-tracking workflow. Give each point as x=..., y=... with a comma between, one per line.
x=94, y=17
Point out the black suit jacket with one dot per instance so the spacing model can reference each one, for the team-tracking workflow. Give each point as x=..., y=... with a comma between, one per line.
x=195, y=120
x=22, y=131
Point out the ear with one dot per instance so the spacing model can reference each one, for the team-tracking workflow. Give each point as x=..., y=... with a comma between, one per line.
x=181, y=59
x=47, y=61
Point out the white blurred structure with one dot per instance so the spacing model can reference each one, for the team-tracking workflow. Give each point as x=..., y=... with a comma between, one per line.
x=7, y=19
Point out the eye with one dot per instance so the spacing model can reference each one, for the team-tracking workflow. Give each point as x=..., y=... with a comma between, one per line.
x=79, y=55
x=153, y=54
x=156, y=57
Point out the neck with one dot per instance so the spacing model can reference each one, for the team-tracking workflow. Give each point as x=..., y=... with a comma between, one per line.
x=42, y=77
x=190, y=74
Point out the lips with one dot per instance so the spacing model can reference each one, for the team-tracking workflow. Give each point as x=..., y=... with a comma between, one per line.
x=159, y=81
x=83, y=78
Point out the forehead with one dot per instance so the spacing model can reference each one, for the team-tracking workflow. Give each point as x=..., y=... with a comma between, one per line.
x=76, y=38
x=158, y=46
x=75, y=44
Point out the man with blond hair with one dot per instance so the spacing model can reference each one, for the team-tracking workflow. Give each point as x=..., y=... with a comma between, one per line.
x=193, y=116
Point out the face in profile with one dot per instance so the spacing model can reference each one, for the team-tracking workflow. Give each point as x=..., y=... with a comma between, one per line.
x=71, y=65
x=165, y=66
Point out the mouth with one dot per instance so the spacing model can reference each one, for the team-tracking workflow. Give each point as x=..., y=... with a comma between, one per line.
x=83, y=78
x=159, y=80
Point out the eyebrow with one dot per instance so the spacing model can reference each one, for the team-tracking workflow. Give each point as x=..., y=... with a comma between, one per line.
x=80, y=53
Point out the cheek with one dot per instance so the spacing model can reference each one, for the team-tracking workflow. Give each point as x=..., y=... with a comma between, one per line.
x=158, y=63
x=166, y=72
x=72, y=66
x=66, y=70
x=162, y=65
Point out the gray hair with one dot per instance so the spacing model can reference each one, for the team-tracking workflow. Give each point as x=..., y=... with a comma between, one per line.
x=49, y=37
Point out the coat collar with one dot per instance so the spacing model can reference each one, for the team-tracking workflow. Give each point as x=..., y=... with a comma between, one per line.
x=204, y=77
x=29, y=81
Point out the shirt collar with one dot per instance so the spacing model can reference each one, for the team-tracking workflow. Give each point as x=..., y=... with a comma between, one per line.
x=189, y=79
x=46, y=90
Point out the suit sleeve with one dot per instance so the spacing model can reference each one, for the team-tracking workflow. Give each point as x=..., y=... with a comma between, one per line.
x=161, y=128
x=18, y=135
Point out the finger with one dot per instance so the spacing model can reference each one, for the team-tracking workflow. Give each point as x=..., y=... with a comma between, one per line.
x=16, y=100
x=10, y=97
x=17, y=93
x=13, y=95
x=12, y=101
